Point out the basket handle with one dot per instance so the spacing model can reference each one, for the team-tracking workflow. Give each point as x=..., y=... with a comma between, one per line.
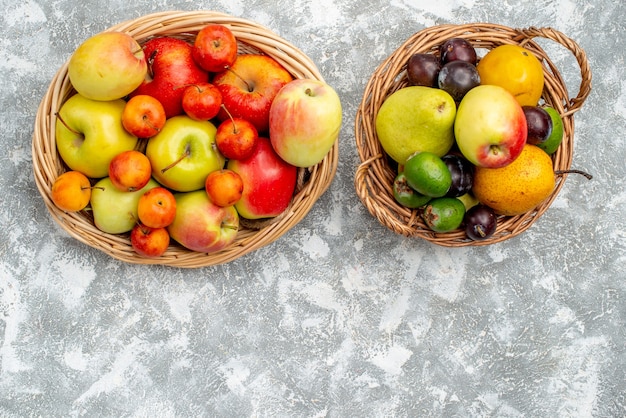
x=580, y=55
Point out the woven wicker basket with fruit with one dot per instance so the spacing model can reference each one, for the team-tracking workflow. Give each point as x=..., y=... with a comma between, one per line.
x=465, y=133
x=164, y=139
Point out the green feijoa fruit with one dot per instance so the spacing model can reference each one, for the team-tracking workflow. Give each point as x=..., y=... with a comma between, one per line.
x=428, y=174
x=405, y=195
x=555, y=138
x=444, y=214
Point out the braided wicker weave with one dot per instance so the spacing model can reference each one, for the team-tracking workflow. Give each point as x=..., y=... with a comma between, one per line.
x=374, y=175
x=252, y=38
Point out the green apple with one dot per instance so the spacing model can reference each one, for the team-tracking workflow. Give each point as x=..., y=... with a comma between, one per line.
x=89, y=133
x=115, y=211
x=416, y=119
x=305, y=119
x=107, y=66
x=184, y=153
x=200, y=225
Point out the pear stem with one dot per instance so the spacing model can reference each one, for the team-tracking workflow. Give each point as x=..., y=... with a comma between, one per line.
x=561, y=172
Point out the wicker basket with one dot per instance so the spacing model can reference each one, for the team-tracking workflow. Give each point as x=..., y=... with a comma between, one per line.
x=252, y=38
x=375, y=173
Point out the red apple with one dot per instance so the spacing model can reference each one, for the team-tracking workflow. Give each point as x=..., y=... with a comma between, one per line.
x=249, y=86
x=236, y=138
x=200, y=225
x=268, y=182
x=130, y=171
x=202, y=101
x=149, y=242
x=224, y=187
x=143, y=116
x=156, y=208
x=490, y=127
x=305, y=119
x=215, y=48
x=170, y=66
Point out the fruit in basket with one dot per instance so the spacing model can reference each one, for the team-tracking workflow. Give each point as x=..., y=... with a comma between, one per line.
x=143, y=116
x=149, y=242
x=304, y=121
x=427, y=174
x=469, y=200
x=416, y=118
x=249, y=86
x=115, y=211
x=130, y=170
x=422, y=69
x=107, y=66
x=89, y=134
x=461, y=173
x=224, y=187
x=236, y=138
x=71, y=191
x=268, y=182
x=518, y=187
x=457, y=49
x=516, y=69
x=481, y=222
x=184, y=153
x=201, y=101
x=539, y=124
x=200, y=225
x=171, y=67
x=215, y=47
x=490, y=127
x=406, y=195
x=457, y=78
x=156, y=208
x=553, y=141
x=443, y=214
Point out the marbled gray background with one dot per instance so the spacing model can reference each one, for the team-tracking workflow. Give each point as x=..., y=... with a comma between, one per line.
x=340, y=317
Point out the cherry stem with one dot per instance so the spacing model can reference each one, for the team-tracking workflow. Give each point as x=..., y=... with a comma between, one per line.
x=231, y=118
x=58, y=115
x=182, y=157
x=561, y=172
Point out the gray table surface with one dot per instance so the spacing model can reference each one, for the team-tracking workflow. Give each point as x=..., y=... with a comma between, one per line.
x=340, y=317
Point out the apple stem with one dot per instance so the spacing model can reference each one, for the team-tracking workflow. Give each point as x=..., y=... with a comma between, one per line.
x=250, y=89
x=230, y=227
x=560, y=172
x=185, y=155
x=151, y=63
x=58, y=116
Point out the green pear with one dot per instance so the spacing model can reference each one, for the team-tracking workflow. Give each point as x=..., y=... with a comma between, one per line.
x=115, y=211
x=416, y=119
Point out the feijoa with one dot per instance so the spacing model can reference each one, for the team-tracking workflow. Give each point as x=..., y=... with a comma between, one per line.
x=405, y=195
x=444, y=214
x=428, y=174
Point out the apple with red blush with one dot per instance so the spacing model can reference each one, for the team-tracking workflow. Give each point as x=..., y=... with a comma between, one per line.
x=215, y=48
x=130, y=170
x=490, y=127
x=249, y=86
x=170, y=66
x=143, y=116
x=236, y=138
x=268, y=182
x=149, y=242
x=156, y=208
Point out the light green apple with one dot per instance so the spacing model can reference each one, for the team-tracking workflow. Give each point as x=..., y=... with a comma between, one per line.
x=107, y=66
x=416, y=119
x=305, y=119
x=184, y=153
x=115, y=211
x=200, y=225
x=89, y=133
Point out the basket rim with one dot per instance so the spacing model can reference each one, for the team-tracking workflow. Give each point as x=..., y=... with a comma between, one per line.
x=373, y=175
x=47, y=164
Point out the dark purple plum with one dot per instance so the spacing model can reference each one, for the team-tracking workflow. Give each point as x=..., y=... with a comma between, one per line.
x=480, y=222
x=539, y=124
x=423, y=69
x=457, y=78
x=457, y=49
x=462, y=172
